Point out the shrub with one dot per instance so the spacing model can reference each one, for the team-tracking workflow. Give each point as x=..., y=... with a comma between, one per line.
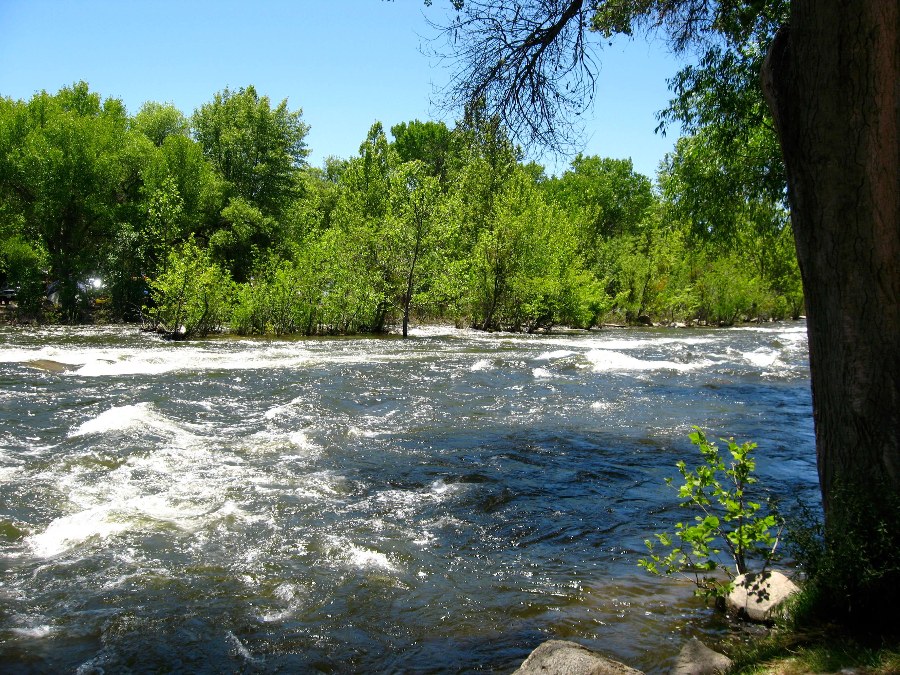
x=728, y=520
x=852, y=562
x=193, y=296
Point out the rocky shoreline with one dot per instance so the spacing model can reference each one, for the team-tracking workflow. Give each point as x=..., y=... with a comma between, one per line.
x=755, y=597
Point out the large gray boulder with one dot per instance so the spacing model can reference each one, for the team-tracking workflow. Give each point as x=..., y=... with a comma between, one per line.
x=560, y=657
x=696, y=658
x=757, y=595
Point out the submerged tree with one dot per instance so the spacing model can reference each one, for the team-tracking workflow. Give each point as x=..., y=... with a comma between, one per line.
x=830, y=79
x=192, y=298
x=415, y=200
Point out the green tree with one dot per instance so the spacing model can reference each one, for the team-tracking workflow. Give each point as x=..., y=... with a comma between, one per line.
x=610, y=205
x=244, y=236
x=368, y=231
x=483, y=161
x=193, y=296
x=369, y=176
x=22, y=265
x=720, y=490
x=23, y=258
x=350, y=273
x=158, y=121
x=524, y=264
x=428, y=142
x=606, y=197
x=719, y=105
x=66, y=172
x=281, y=299
x=718, y=194
x=256, y=148
x=320, y=192
x=172, y=192
x=201, y=190
x=415, y=196
x=747, y=226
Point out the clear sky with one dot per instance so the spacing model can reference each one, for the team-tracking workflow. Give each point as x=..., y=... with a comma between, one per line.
x=345, y=63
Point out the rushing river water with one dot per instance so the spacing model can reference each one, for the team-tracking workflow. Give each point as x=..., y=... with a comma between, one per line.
x=440, y=504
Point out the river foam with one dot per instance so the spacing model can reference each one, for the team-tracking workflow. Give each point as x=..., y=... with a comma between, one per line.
x=608, y=360
x=128, y=417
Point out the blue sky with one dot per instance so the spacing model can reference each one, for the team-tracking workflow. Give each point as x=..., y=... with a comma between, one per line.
x=345, y=63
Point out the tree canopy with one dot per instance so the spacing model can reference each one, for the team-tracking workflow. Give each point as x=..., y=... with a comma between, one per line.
x=427, y=222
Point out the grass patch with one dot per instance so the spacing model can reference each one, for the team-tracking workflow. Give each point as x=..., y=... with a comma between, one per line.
x=796, y=653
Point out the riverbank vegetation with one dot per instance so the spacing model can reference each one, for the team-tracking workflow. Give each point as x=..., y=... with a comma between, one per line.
x=800, y=652
x=217, y=222
x=729, y=534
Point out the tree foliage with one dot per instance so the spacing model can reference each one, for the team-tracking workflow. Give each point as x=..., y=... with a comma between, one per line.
x=63, y=173
x=193, y=297
x=253, y=146
x=158, y=121
x=442, y=223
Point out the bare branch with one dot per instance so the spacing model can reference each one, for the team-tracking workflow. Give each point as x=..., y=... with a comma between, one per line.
x=530, y=62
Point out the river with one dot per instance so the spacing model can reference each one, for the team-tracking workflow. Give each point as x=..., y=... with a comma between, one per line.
x=438, y=504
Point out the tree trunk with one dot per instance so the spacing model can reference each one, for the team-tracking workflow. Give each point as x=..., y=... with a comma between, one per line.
x=832, y=81
x=407, y=298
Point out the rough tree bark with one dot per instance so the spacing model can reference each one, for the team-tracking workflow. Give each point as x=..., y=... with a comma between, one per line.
x=832, y=81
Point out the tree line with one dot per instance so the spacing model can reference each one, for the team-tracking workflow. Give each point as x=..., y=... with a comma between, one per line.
x=217, y=222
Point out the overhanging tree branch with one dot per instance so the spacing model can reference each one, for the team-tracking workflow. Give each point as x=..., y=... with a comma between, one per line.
x=531, y=62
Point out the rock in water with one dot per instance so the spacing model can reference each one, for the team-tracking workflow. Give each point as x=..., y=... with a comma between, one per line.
x=50, y=366
x=696, y=658
x=560, y=657
x=756, y=595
